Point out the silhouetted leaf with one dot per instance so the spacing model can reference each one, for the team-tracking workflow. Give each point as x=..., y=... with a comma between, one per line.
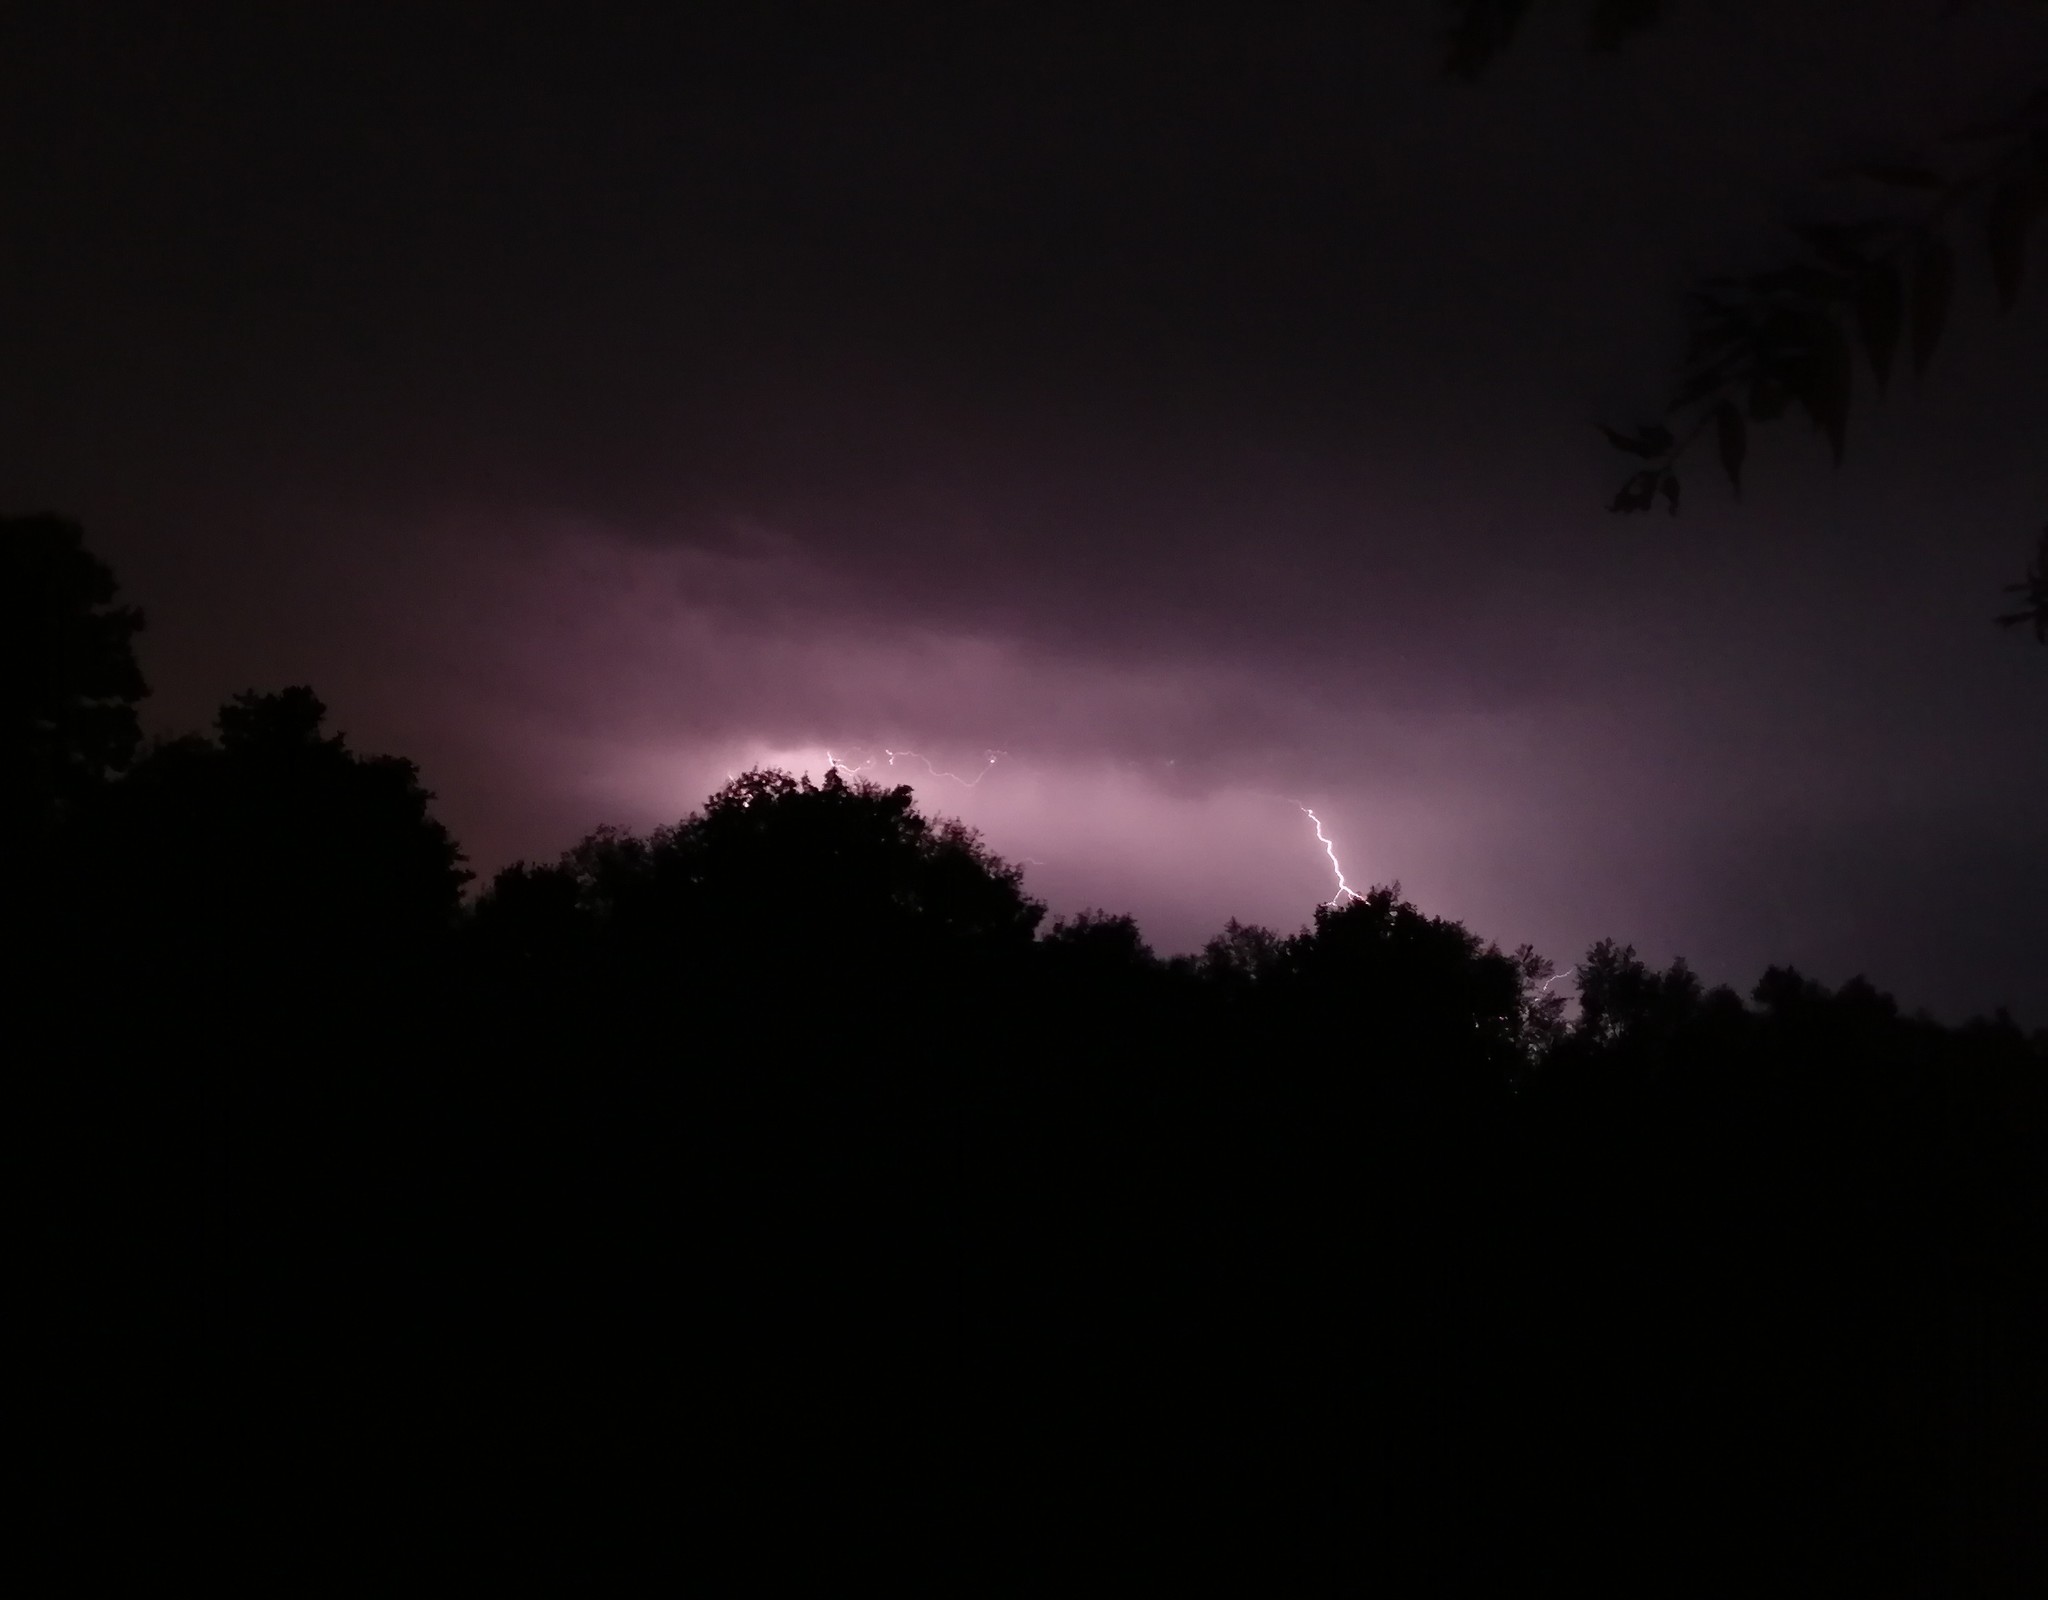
x=1707, y=381
x=1826, y=377
x=2034, y=588
x=1669, y=484
x=2012, y=213
x=1638, y=494
x=1613, y=21
x=1711, y=338
x=1732, y=434
x=1784, y=334
x=1804, y=281
x=1480, y=32
x=1881, y=317
x=1933, y=283
x=1655, y=440
x=1715, y=322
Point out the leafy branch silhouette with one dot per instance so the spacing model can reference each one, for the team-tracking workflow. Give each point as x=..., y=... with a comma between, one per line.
x=1762, y=345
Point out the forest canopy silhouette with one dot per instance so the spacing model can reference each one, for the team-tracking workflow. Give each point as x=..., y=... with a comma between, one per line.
x=793, y=1139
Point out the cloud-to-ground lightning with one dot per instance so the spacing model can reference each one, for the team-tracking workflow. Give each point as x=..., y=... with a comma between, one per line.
x=1330, y=850
x=1344, y=891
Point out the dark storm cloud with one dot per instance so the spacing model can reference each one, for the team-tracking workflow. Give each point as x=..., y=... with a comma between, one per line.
x=1194, y=402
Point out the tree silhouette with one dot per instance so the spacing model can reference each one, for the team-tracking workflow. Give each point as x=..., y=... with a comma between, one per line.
x=1622, y=1001
x=777, y=1136
x=1099, y=940
x=69, y=680
x=821, y=889
x=1241, y=955
x=273, y=846
x=1386, y=986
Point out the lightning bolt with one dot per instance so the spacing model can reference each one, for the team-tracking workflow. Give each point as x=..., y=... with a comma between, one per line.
x=1344, y=890
x=989, y=758
x=1330, y=849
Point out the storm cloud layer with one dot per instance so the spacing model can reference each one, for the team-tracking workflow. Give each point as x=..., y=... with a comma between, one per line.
x=1194, y=406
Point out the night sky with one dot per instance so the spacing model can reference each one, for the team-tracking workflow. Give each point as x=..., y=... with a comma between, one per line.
x=1195, y=404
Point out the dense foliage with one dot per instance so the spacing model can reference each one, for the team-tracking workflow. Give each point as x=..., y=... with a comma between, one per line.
x=777, y=1167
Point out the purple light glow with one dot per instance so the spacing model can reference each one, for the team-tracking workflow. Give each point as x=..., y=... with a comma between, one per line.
x=1197, y=437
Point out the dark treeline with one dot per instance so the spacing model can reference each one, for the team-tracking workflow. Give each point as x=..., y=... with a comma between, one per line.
x=784, y=1172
